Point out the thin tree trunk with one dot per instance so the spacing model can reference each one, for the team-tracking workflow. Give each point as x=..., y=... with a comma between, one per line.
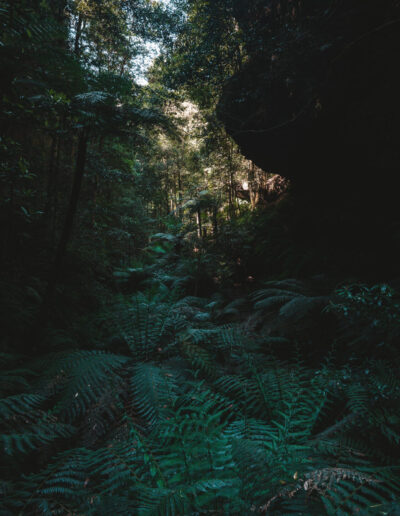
x=231, y=183
x=252, y=186
x=232, y=196
x=175, y=192
x=96, y=185
x=54, y=207
x=78, y=34
x=198, y=217
x=215, y=220
x=68, y=224
x=179, y=194
x=48, y=212
x=73, y=203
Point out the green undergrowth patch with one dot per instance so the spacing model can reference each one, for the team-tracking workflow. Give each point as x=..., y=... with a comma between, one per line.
x=178, y=413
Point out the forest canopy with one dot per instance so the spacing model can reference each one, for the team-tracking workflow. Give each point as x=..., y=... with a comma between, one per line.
x=199, y=286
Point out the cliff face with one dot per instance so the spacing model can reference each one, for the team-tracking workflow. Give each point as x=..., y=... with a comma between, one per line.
x=319, y=99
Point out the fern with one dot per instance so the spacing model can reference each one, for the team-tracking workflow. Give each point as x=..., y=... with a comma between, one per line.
x=154, y=390
x=292, y=298
x=26, y=25
x=198, y=418
x=25, y=426
x=146, y=325
x=80, y=377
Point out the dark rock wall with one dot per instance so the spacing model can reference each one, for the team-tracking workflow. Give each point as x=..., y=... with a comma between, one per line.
x=318, y=102
x=320, y=97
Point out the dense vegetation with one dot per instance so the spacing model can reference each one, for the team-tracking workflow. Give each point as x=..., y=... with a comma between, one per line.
x=184, y=332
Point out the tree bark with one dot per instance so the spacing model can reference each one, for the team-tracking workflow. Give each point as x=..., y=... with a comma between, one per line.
x=73, y=202
x=198, y=217
x=68, y=224
x=78, y=34
x=48, y=212
x=215, y=220
x=252, y=184
x=179, y=194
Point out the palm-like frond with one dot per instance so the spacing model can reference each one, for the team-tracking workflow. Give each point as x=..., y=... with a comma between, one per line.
x=25, y=425
x=79, y=378
x=291, y=296
x=199, y=418
x=154, y=390
x=145, y=325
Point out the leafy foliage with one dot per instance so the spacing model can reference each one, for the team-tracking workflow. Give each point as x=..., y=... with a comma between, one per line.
x=172, y=428
x=159, y=355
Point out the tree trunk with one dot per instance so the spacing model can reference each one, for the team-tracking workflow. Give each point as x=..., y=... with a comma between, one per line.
x=215, y=220
x=252, y=186
x=199, y=227
x=48, y=211
x=54, y=207
x=179, y=194
x=231, y=186
x=78, y=34
x=69, y=221
x=73, y=202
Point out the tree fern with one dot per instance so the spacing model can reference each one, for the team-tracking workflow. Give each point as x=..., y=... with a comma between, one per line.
x=154, y=390
x=145, y=325
x=198, y=418
x=292, y=299
x=79, y=378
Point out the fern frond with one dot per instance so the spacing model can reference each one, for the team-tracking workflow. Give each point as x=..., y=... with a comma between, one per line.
x=154, y=390
x=25, y=425
x=82, y=376
x=326, y=482
x=145, y=326
x=273, y=302
x=20, y=404
x=300, y=307
x=199, y=358
x=39, y=434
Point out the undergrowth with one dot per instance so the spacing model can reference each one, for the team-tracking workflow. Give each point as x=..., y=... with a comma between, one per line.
x=177, y=413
